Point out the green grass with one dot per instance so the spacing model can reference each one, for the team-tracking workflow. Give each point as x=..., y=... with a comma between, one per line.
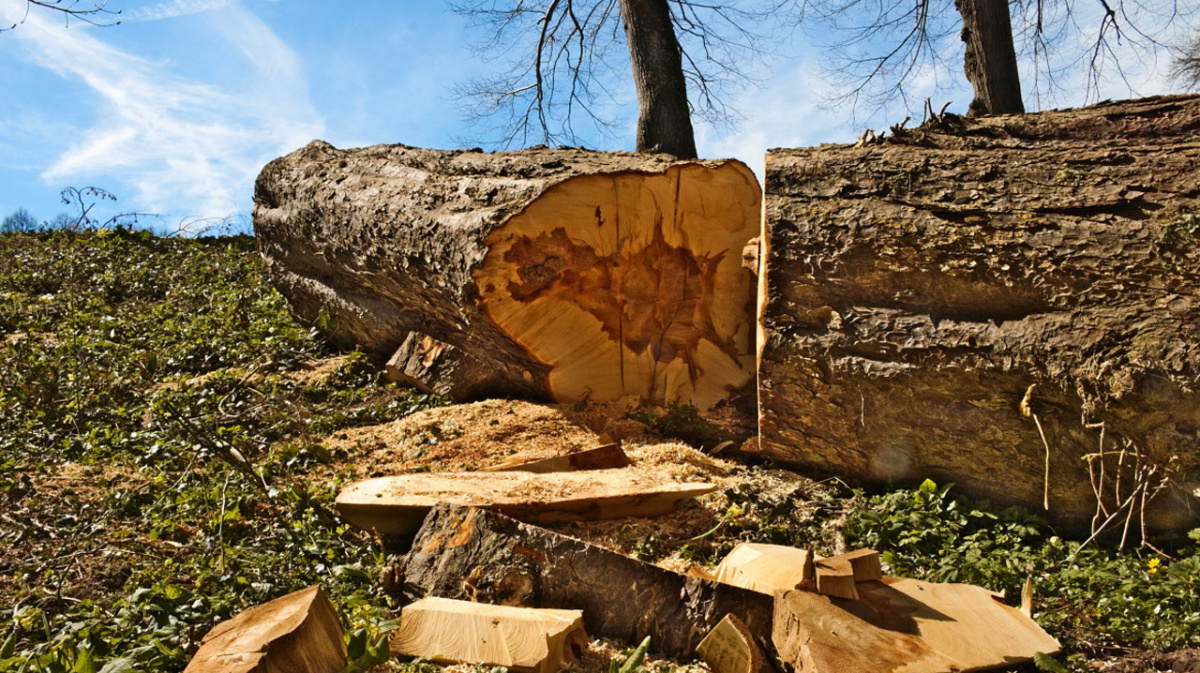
x=161, y=469
x=148, y=366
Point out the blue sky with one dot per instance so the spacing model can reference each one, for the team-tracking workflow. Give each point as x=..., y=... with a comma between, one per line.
x=177, y=109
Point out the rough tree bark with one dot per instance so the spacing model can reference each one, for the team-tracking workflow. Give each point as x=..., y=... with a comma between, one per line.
x=472, y=554
x=545, y=274
x=1011, y=304
x=990, y=61
x=664, y=116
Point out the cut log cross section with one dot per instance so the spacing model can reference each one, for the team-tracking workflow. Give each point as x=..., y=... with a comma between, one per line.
x=553, y=274
x=631, y=283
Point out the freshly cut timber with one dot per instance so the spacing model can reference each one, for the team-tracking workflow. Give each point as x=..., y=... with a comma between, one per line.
x=474, y=554
x=559, y=274
x=864, y=563
x=604, y=457
x=298, y=633
x=397, y=505
x=767, y=568
x=525, y=640
x=904, y=625
x=835, y=577
x=1008, y=303
x=731, y=648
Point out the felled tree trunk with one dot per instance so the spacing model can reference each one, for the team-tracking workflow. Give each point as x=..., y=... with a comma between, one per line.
x=560, y=274
x=1012, y=305
x=473, y=554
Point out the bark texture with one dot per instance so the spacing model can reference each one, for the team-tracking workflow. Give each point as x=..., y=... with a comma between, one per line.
x=664, y=116
x=921, y=295
x=471, y=554
x=544, y=274
x=990, y=61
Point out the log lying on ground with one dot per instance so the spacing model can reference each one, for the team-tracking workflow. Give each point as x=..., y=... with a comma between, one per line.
x=604, y=457
x=767, y=568
x=397, y=505
x=473, y=554
x=560, y=274
x=904, y=624
x=298, y=633
x=732, y=648
x=919, y=291
x=525, y=640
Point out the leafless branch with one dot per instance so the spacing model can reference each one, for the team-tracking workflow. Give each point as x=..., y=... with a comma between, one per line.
x=95, y=13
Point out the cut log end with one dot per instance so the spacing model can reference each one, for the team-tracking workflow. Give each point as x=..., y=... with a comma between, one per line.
x=632, y=284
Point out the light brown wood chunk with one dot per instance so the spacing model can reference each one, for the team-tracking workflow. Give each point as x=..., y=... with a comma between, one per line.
x=397, y=505
x=835, y=577
x=730, y=648
x=767, y=568
x=298, y=633
x=904, y=625
x=604, y=457
x=520, y=639
x=864, y=563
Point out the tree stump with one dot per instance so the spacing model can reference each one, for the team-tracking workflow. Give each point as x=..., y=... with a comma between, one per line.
x=1011, y=304
x=552, y=274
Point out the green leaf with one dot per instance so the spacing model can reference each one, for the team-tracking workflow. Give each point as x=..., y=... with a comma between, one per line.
x=1048, y=664
x=85, y=663
x=122, y=665
x=9, y=648
x=928, y=486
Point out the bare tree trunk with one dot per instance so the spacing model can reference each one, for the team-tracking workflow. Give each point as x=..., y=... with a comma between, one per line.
x=664, y=118
x=991, y=60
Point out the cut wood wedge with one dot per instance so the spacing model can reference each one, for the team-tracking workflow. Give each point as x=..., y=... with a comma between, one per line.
x=767, y=568
x=904, y=625
x=526, y=640
x=298, y=633
x=397, y=505
x=730, y=648
x=604, y=457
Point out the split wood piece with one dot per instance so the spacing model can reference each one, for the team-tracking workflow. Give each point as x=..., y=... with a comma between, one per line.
x=731, y=648
x=580, y=275
x=474, y=554
x=298, y=633
x=519, y=639
x=605, y=457
x=904, y=624
x=767, y=568
x=835, y=577
x=397, y=505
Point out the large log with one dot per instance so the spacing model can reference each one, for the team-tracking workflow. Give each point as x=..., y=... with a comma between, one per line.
x=472, y=554
x=560, y=274
x=982, y=302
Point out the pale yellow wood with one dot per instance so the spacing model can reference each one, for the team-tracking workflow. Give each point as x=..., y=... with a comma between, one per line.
x=604, y=457
x=904, y=626
x=632, y=284
x=730, y=648
x=766, y=568
x=520, y=639
x=864, y=563
x=397, y=505
x=298, y=633
x=835, y=577
x=1027, y=597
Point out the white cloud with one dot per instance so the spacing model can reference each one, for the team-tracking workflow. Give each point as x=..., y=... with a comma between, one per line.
x=170, y=10
x=188, y=148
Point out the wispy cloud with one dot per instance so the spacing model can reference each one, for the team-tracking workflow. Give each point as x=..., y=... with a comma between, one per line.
x=169, y=10
x=188, y=148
